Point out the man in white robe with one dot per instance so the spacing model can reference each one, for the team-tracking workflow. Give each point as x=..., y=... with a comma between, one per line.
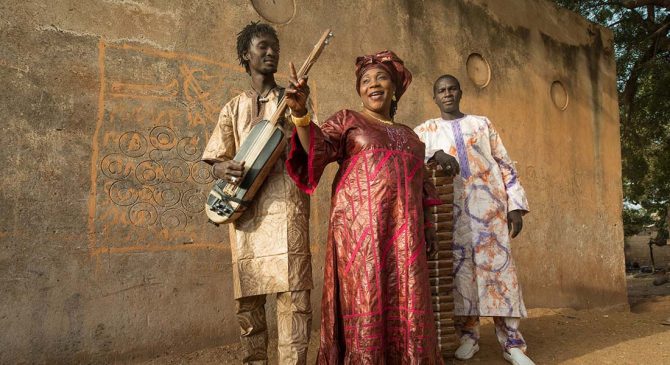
x=489, y=203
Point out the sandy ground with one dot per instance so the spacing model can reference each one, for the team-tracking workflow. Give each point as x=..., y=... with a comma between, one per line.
x=564, y=336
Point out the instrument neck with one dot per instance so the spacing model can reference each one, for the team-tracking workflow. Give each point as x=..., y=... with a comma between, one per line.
x=304, y=70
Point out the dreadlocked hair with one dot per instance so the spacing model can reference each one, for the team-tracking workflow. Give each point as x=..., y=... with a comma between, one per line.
x=244, y=38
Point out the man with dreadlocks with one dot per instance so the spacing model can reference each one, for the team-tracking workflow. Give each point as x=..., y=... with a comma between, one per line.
x=270, y=240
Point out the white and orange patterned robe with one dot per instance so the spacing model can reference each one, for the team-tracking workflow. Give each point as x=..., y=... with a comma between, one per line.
x=488, y=187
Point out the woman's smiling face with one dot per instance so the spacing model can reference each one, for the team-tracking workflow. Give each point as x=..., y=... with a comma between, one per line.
x=376, y=90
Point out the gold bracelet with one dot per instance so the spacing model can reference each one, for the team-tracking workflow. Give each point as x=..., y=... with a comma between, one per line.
x=301, y=121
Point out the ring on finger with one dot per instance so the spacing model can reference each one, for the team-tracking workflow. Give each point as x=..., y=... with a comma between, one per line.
x=233, y=179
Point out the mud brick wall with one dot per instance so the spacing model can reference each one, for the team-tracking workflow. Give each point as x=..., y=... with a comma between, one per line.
x=105, y=106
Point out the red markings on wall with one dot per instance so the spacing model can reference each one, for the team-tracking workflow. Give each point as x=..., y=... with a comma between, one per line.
x=148, y=187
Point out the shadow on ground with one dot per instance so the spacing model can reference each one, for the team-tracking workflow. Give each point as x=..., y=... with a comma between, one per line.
x=565, y=336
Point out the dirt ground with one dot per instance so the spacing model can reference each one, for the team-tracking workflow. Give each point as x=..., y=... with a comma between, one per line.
x=554, y=336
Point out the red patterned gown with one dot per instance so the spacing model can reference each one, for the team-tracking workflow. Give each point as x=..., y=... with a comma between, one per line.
x=376, y=306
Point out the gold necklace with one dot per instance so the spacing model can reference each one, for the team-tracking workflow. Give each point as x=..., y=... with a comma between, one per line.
x=389, y=122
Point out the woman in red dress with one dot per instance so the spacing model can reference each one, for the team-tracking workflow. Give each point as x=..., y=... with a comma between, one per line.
x=376, y=306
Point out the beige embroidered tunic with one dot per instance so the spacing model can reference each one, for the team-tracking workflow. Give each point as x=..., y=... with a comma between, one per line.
x=269, y=241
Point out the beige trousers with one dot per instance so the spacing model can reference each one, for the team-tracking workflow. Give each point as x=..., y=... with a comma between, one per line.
x=294, y=322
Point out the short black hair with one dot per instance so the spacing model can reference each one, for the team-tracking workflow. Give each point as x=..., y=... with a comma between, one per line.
x=443, y=77
x=251, y=30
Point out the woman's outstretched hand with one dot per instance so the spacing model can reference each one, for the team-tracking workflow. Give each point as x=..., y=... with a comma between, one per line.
x=297, y=93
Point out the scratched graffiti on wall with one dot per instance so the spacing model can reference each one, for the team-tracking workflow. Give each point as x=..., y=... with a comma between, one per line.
x=156, y=110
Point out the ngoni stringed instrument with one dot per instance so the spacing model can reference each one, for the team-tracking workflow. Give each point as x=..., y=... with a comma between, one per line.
x=260, y=151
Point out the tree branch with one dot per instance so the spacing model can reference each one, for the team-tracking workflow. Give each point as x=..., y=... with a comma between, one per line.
x=661, y=31
x=632, y=4
x=630, y=88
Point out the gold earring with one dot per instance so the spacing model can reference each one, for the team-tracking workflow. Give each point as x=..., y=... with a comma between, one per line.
x=394, y=98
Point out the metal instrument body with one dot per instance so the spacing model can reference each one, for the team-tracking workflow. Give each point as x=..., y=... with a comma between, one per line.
x=260, y=151
x=226, y=202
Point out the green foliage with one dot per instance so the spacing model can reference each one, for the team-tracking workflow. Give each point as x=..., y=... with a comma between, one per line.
x=634, y=220
x=642, y=49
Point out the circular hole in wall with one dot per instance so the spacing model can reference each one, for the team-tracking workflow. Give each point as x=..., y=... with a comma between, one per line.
x=275, y=11
x=559, y=95
x=479, y=70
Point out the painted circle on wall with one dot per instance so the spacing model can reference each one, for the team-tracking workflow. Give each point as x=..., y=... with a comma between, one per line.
x=479, y=70
x=133, y=144
x=123, y=193
x=148, y=173
x=173, y=219
x=146, y=194
x=163, y=138
x=275, y=11
x=559, y=95
x=176, y=170
x=116, y=166
x=143, y=214
x=202, y=173
x=167, y=195
x=193, y=201
x=188, y=149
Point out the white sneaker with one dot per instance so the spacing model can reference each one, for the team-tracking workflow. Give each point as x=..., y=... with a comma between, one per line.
x=467, y=349
x=517, y=357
